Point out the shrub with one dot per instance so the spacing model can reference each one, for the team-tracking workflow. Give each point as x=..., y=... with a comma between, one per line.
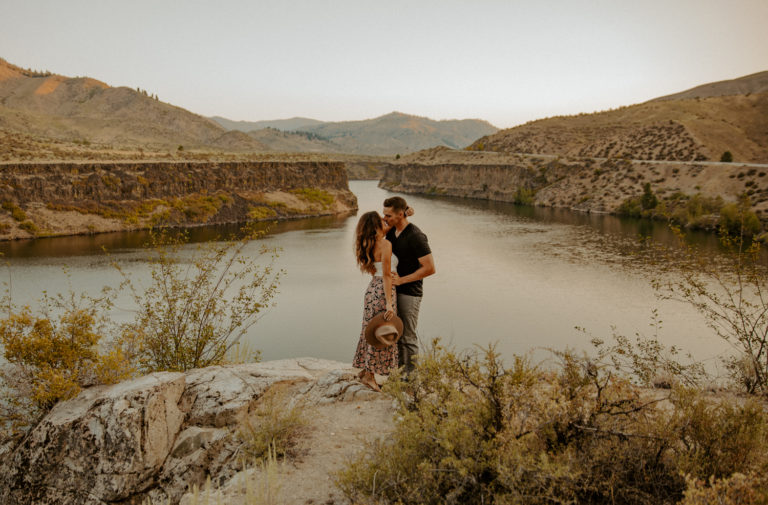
x=470, y=430
x=17, y=212
x=275, y=426
x=261, y=213
x=313, y=195
x=728, y=290
x=524, y=196
x=196, y=309
x=727, y=157
x=738, y=489
x=631, y=207
x=52, y=354
x=736, y=219
x=647, y=361
x=29, y=227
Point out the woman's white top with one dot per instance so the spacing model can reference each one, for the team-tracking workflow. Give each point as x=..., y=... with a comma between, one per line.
x=380, y=267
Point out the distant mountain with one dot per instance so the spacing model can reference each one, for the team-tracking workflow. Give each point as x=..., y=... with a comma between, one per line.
x=293, y=124
x=394, y=133
x=401, y=133
x=698, y=124
x=83, y=108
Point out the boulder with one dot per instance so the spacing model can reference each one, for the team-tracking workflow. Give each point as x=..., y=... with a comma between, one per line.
x=155, y=436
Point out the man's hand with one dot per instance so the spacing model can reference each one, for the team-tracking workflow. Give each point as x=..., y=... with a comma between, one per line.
x=396, y=279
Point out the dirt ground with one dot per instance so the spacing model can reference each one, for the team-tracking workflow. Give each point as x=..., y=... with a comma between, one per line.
x=336, y=433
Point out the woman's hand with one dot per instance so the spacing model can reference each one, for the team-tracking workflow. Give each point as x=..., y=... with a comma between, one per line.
x=389, y=312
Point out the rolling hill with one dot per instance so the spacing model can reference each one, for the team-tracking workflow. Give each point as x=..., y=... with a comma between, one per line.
x=698, y=124
x=61, y=107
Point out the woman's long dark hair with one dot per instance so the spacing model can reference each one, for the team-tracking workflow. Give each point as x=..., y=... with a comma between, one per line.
x=365, y=240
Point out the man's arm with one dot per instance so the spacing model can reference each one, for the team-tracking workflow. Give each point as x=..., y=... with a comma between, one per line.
x=426, y=269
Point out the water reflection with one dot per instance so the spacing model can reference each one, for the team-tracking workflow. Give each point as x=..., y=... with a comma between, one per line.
x=89, y=245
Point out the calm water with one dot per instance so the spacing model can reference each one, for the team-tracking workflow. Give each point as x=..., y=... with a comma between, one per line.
x=521, y=277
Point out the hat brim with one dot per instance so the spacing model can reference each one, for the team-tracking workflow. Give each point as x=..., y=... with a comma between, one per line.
x=375, y=322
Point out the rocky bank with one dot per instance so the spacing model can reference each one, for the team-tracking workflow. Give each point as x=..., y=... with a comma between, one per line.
x=45, y=199
x=150, y=439
x=582, y=184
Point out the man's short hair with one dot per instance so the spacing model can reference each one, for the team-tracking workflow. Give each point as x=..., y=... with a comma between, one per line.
x=397, y=203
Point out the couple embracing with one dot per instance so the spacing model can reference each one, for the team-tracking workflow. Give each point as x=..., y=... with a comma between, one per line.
x=397, y=255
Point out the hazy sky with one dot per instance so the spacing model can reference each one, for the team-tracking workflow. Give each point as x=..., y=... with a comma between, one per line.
x=504, y=61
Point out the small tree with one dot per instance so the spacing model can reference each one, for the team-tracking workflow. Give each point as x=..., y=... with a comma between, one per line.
x=51, y=354
x=729, y=290
x=648, y=200
x=195, y=309
x=727, y=157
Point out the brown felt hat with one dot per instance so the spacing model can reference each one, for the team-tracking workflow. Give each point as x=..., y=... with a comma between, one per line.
x=381, y=333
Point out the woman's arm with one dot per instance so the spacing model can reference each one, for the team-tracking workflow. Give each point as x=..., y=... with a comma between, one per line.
x=426, y=268
x=386, y=263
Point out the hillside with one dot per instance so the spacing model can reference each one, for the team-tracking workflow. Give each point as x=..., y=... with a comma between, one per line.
x=753, y=83
x=391, y=134
x=61, y=107
x=691, y=126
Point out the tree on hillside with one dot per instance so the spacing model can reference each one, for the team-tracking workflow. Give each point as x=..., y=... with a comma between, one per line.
x=727, y=157
x=648, y=200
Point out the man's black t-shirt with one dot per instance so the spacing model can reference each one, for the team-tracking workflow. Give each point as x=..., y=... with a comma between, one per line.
x=409, y=246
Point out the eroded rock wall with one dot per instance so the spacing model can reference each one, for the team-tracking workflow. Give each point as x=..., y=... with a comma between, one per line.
x=44, y=199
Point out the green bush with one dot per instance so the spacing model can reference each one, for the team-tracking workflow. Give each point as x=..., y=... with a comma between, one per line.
x=524, y=196
x=727, y=157
x=737, y=219
x=51, y=354
x=631, y=207
x=17, y=212
x=314, y=195
x=648, y=200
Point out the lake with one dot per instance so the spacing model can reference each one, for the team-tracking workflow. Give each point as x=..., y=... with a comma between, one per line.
x=520, y=277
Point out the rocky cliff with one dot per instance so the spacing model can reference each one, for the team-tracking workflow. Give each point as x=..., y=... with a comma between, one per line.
x=150, y=439
x=42, y=199
x=589, y=185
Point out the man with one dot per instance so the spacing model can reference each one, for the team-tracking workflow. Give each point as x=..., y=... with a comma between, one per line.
x=414, y=262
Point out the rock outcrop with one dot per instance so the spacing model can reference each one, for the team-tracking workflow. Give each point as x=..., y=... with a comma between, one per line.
x=44, y=199
x=154, y=437
x=582, y=184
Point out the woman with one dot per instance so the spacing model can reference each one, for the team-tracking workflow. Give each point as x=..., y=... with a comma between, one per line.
x=374, y=256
